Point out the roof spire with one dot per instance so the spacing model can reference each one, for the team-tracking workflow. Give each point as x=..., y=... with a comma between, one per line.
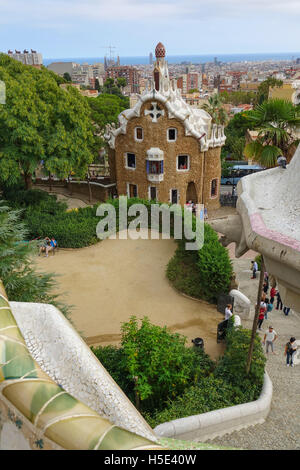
x=160, y=51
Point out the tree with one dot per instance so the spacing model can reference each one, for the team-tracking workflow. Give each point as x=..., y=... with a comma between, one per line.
x=159, y=363
x=41, y=121
x=97, y=85
x=121, y=82
x=215, y=109
x=264, y=88
x=238, y=97
x=274, y=120
x=106, y=108
x=67, y=77
x=235, y=133
x=21, y=281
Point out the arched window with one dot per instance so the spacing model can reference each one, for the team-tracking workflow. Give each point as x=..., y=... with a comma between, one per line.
x=214, y=188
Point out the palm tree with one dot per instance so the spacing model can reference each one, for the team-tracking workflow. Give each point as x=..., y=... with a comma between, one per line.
x=215, y=109
x=275, y=121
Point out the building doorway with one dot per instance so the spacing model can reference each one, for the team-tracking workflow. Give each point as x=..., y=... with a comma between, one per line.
x=191, y=193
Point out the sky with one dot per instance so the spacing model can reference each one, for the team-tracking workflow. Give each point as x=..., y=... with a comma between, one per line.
x=85, y=28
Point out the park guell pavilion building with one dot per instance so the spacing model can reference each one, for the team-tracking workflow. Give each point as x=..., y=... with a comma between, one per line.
x=164, y=149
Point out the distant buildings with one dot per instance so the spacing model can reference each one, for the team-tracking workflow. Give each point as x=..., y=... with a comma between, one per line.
x=285, y=92
x=150, y=58
x=33, y=58
x=164, y=149
x=62, y=67
x=82, y=74
x=131, y=74
x=249, y=86
x=189, y=81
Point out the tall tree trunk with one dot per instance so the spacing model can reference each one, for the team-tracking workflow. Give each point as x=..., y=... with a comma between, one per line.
x=255, y=320
x=50, y=182
x=28, y=180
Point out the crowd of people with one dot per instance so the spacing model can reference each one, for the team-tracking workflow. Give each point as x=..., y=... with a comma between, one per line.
x=265, y=308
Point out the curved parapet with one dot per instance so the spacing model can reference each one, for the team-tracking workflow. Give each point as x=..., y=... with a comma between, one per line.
x=268, y=222
x=37, y=412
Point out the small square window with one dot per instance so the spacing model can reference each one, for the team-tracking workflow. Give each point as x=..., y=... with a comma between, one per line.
x=130, y=160
x=139, y=135
x=172, y=134
x=182, y=162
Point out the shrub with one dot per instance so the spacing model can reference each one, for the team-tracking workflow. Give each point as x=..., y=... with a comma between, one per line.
x=208, y=394
x=232, y=367
x=161, y=363
x=21, y=281
x=203, y=274
x=114, y=361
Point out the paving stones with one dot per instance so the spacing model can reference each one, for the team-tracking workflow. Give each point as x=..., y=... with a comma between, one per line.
x=281, y=430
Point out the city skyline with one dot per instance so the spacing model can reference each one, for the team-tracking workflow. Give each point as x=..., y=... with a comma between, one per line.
x=68, y=28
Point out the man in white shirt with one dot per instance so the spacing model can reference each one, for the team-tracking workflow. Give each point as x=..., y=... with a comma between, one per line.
x=270, y=337
x=228, y=312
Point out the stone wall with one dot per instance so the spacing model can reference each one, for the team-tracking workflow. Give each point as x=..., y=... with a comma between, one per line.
x=155, y=135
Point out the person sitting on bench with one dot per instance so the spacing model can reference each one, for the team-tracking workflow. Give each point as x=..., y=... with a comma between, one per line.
x=51, y=246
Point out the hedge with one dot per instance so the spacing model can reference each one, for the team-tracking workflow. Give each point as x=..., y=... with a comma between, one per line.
x=203, y=274
x=228, y=384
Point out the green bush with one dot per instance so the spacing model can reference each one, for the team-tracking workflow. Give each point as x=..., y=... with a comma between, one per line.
x=204, y=274
x=18, y=196
x=208, y=394
x=163, y=365
x=20, y=278
x=227, y=385
x=75, y=229
x=114, y=361
x=175, y=381
x=161, y=362
x=232, y=367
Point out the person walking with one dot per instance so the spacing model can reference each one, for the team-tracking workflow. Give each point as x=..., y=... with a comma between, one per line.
x=279, y=302
x=254, y=268
x=286, y=310
x=290, y=351
x=272, y=294
x=269, y=338
x=261, y=316
x=269, y=308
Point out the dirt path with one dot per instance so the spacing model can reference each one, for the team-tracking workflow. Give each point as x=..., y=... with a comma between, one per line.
x=109, y=282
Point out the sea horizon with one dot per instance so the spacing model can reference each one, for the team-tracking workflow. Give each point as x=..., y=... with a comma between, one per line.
x=189, y=58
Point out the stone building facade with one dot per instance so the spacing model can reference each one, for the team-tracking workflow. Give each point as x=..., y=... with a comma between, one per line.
x=164, y=149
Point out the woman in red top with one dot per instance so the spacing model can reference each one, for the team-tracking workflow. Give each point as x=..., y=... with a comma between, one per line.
x=261, y=316
x=272, y=295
